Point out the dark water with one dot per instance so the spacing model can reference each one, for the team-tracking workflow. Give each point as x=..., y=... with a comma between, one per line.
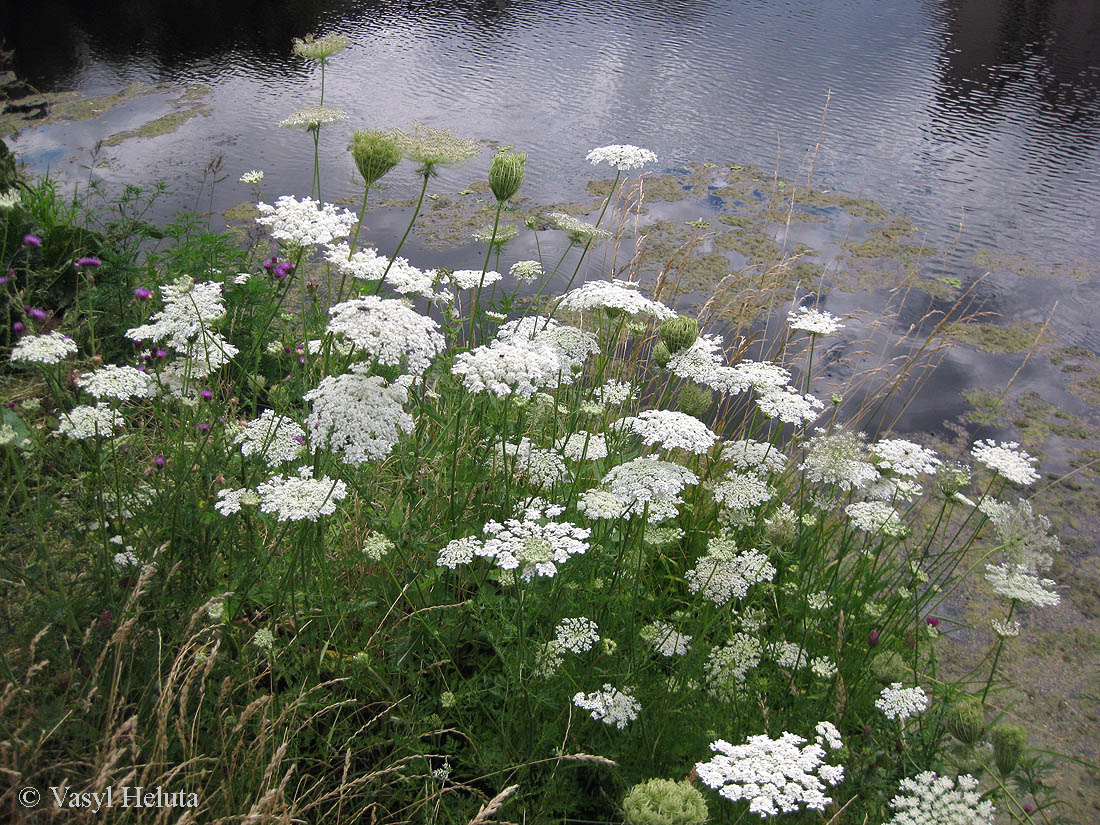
x=983, y=113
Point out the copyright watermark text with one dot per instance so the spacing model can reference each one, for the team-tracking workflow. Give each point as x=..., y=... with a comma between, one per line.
x=124, y=796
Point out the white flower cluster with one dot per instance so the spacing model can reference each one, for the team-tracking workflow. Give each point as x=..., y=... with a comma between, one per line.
x=121, y=382
x=616, y=392
x=898, y=702
x=839, y=458
x=789, y=655
x=814, y=321
x=583, y=445
x=472, y=278
x=930, y=799
x=542, y=468
x=665, y=639
x=670, y=430
x=458, y=552
x=359, y=416
x=1020, y=583
x=365, y=264
x=301, y=497
x=572, y=345
x=274, y=438
x=764, y=376
x=702, y=363
x=577, y=635
x=313, y=117
x=86, y=421
x=535, y=546
x=189, y=308
x=775, y=775
x=252, y=177
x=306, y=222
x=740, y=491
x=526, y=271
x=51, y=348
x=623, y=157
x=788, y=406
x=1008, y=460
x=875, y=517
x=577, y=230
x=760, y=457
x=389, y=330
x=727, y=666
x=610, y=706
x=516, y=365
x=648, y=481
x=904, y=458
x=724, y=573
x=614, y=294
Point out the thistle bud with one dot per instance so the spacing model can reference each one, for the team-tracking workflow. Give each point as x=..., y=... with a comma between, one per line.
x=694, y=400
x=661, y=355
x=1009, y=741
x=506, y=174
x=664, y=802
x=374, y=153
x=679, y=333
x=966, y=720
x=888, y=667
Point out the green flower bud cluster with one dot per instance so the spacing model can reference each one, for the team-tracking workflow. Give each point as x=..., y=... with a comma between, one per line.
x=375, y=153
x=679, y=333
x=966, y=720
x=664, y=802
x=1009, y=742
x=506, y=174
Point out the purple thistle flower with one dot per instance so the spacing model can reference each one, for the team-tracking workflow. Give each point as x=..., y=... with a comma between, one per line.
x=161, y=353
x=283, y=269
x=142, y=368
x=32, y=240
x=932, y=621
x=203, y=426
x=36, y=313
x=206, y=395
x=872, y=640
x=18, y=327
x=142, y=293
x=160, y=461
x=88, y=261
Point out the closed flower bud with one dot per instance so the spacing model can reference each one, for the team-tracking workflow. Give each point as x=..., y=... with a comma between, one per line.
x=661, y=355
x=1009, y=741
x=966, y=720
x=679, y=333
x=888, y=667
x=694, y=400
x=506, y=174
x=374, y=153
x=664, y=802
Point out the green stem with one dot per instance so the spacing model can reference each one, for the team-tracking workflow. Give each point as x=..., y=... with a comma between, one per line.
x=408, y=229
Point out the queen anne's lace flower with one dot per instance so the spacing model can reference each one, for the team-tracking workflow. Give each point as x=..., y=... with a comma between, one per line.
x=763, y=376
x=930, y=799
x=616, y=392
x=516, y=365
x=904, y=458
x=1019, y=582
x=727, y=666
x=534, y=547
x=572, y=345
x=725, y=573
x=230, y=500
x=614, y=294
x=306, y=222
x=649, y=481
x=602, y=504
x=1008, y=460
x=526, y=271
x=389, y=330
x=610, y=706
x=359, y=416
x=472, y=278
x=121, y=382
x=701, y=362
x=542, y=468
x=274, y=438
x=623, y=157
x=790, y=407
x=252, y=177
x=301, y=497
x=583, y=445
x=787, y=655
x=86, y=421
x=814, y=321
x=577, y=635
x=459, y=551
x=775, y=775
x=671, y=430
x=313, y=117
x=839, y=458
x=876, y=516
x=665, y=639
x=189, y=308
x=898, y=702
x=758, y=456
x=577, y=230
x=740, y=491
x=51, y=348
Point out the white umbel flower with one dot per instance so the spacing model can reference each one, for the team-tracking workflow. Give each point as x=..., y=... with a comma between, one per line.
x=727, y=666
x=472, y=278
x=758, y=456
x=764, y=376
x=724, y=573
x=897, y=702
x=741, y=491
x=253, y=176
x=665, y=639
x=51, y=348
x=121, y=382
x=306, y=222
x=615, y=392
x=542, y=468
x=459, y=551
x=928, y=799
x=516, y=365
x=671, y=430
x=189, y=308
x=814, y=321
x=775, y=776
x=583, y=446
x=1020, y=583
x=610, y=706
x=614, y=294
x=533, y=547
x=274, y=438
x=359, y=416
x=839, y=458
x=788, y=406
x=526, y=271
x=572, y=345
x=1008, y=460
x=301, y=497
x=702, y=363
x=875, y=517
x=84, y=422
x=650, y=481
x=389, y=330
x=577, y=635
x=622, y=156
x=313, y=117
x=904, y=458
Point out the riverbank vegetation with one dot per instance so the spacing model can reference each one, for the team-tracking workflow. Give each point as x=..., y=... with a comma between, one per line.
x=313, y=534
